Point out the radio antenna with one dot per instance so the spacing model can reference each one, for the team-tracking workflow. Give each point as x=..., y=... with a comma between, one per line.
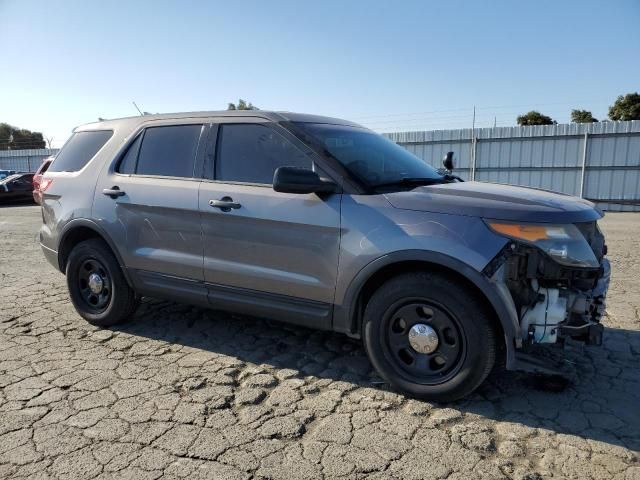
x=139, y=111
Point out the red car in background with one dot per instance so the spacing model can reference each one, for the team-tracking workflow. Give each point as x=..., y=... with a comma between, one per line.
x=37, y=178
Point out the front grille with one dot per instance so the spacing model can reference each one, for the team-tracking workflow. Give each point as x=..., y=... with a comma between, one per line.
x=595, y=238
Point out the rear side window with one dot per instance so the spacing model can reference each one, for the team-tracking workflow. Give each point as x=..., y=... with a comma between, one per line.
x=81, y=147
x=166, y=151
x=251, y=153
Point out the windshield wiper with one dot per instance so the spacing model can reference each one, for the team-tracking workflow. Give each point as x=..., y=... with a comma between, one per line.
x=411, y=182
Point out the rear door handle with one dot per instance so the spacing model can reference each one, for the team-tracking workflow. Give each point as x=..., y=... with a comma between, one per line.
x=225, y=204
x=113, y=192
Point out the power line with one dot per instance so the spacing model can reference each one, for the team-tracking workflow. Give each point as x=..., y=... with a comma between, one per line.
x=469, y=115
x=488, y=107
x=19, y=139
x=414, y=113
x=438, y=119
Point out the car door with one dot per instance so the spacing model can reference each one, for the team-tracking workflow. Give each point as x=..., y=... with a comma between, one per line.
x=266, y=253
x=147, y=202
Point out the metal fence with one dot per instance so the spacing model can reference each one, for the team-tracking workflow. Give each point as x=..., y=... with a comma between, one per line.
x=24, y=160
x=598, y=161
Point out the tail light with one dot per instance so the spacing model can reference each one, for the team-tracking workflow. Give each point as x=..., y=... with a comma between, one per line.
x=45, y=183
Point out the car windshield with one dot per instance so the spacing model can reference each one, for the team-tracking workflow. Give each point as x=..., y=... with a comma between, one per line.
x=373, y=159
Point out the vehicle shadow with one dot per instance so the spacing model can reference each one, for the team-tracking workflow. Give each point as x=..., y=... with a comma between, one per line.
x=600, y=403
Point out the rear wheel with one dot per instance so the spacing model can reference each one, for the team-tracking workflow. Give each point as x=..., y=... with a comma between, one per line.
x=429, y=336
x=99, y=292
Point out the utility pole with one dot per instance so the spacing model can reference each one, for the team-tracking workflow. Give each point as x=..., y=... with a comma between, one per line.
x=585, y=150
x=473, y=145
x=473, y=123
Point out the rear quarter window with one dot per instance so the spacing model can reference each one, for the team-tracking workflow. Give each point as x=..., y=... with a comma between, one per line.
x=44, y=167
x=81, y=147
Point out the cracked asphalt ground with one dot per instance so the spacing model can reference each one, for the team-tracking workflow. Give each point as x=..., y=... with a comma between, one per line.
x=184, y=392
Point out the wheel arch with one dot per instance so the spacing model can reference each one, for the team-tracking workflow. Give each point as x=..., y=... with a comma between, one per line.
x=79, y=230
x=348, y=316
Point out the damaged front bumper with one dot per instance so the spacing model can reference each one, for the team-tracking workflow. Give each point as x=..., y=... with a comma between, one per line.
x=587, y=309
x=549, y=302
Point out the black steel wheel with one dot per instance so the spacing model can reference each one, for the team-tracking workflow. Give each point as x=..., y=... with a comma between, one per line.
x=97, y=287
x=429, y=335
x=423, y=341
x=94, y=283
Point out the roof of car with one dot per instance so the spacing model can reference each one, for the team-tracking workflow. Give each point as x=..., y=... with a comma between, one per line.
x=15, y=176
x=265, y=114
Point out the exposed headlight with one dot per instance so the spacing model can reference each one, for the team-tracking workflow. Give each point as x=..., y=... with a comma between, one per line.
x=564, y=243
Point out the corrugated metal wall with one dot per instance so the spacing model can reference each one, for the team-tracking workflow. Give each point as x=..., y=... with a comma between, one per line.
x=544, y=156
x=24, y=160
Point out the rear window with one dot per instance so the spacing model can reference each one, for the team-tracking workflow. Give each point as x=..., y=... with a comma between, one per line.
x=166, y=151
x=81, y=147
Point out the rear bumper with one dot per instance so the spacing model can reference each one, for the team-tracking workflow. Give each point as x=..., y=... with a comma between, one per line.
x=51, y=256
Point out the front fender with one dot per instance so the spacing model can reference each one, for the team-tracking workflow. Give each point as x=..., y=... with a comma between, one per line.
x=345, y=318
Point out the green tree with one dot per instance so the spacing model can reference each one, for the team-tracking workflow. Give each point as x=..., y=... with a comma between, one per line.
x=626, y=107
x=582, y=116
x=242, y=105
x=13, y=138
x=534, y=118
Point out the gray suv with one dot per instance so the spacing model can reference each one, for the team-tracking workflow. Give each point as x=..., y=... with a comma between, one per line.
x=325, y=224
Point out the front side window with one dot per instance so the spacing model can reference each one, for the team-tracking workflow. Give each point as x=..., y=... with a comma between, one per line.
x=166, y=151
x=81, y=147
x=251, y=153
x=371, y=158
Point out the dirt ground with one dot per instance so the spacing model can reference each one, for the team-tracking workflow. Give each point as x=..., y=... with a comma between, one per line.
x=185, y=392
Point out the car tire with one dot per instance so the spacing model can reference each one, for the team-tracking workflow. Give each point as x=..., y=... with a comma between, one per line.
x=428, y=336
x=99, y=292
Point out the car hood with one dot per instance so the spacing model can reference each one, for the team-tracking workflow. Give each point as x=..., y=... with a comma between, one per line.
x=495, y=201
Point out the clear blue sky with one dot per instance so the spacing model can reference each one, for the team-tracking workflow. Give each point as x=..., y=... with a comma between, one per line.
x=390, y=65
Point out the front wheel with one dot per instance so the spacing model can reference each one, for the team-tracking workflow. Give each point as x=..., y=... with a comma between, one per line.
x=98, y=290
x=429, y=336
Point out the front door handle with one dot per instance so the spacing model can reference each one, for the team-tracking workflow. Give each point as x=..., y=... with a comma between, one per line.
x=113, y=192
x=225, y=204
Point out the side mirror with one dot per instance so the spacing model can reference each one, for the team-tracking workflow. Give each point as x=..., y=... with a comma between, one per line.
x=447, y=161
x=300, y=180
